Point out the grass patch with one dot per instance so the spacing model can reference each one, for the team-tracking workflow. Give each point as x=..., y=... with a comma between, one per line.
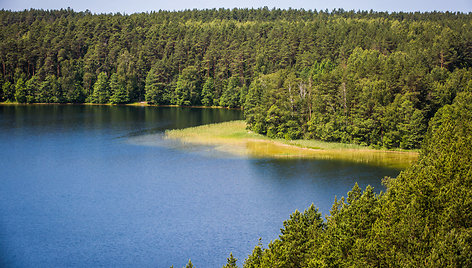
x=233, y=137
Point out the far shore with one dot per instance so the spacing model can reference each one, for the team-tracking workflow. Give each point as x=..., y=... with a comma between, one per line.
x=142, y=103
x=233, y=138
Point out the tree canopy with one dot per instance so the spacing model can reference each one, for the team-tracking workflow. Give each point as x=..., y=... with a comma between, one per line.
x=423, y=219
x=371, y=78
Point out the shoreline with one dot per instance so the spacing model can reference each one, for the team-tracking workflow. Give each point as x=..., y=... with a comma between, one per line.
x=233, y=138
x=137, y=104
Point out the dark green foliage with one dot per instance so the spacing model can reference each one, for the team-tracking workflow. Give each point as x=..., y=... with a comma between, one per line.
x=156, y=85
x=423, y=219
x=74, y=93
x=370, y=78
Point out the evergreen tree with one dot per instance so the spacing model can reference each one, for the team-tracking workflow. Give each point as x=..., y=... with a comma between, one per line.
x=155, y=85
x=189, y=264
x=339, y=86
x=101, y=93
x=187, y=91
x=231, y=262
x=423, y=219
x=231, y=94
x=207, y=92
x=54, y=89
x=32, y=86
x=8, y=91
x=119, y=94
x=74, y=93
x=20, y=91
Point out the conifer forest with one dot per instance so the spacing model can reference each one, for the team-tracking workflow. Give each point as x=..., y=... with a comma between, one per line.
x=384, y=80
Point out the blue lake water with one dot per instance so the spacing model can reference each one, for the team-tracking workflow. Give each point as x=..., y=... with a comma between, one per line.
x=94, y=186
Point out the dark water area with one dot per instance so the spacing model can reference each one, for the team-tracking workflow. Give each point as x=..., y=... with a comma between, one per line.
x=88, y=186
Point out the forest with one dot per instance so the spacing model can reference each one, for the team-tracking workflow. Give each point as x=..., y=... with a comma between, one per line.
x=370, y=78
x=422, y=220
x=388, y=80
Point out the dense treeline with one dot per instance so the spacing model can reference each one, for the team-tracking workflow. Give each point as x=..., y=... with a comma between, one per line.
x=363, y=77
x=422, y=220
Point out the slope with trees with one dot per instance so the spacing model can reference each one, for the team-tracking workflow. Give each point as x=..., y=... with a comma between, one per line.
x=422, y=220
x=372, y=78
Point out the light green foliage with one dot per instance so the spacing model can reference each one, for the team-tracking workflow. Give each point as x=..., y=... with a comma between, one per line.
x=187, y=91
x=189, y=264
x=118, y=91
x=231, y=94
x=231, y=262
x=207, y=92
x=346, y=85
x=20, y=91
x=32, y=86
x=431, y=203
x=255, y=259
x=8, y=91
x=423, y=219
x=101, y=89
x=50, y=91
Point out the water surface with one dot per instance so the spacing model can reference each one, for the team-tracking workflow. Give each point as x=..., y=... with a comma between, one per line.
x=88, y=186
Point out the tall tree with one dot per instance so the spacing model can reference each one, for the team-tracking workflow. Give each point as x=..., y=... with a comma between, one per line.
x=101, y=91
x=118, y=91
x=187, y=91
x=156, y=85
x=231, y=262
x=20, y=91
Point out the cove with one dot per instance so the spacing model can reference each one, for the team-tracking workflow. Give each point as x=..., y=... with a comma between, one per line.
x=97, y=186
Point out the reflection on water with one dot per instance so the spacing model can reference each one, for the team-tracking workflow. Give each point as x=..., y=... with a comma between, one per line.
x=86, y=186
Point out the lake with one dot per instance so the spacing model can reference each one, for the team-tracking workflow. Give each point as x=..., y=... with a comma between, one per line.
x=88, y=186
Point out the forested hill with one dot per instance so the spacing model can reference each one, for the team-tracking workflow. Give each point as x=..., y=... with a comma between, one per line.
x=422, y=220
x=363, y=77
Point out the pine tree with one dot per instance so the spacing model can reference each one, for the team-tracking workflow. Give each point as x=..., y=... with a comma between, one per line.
x=156, y=85
x=20, y=91
x=189, y=264
x=231, y=261
x=119, y=94
x=187, y=90
x=207, y=92
x=32, y=86
x=101, y=93
x=8, y=91
x=231, y=95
